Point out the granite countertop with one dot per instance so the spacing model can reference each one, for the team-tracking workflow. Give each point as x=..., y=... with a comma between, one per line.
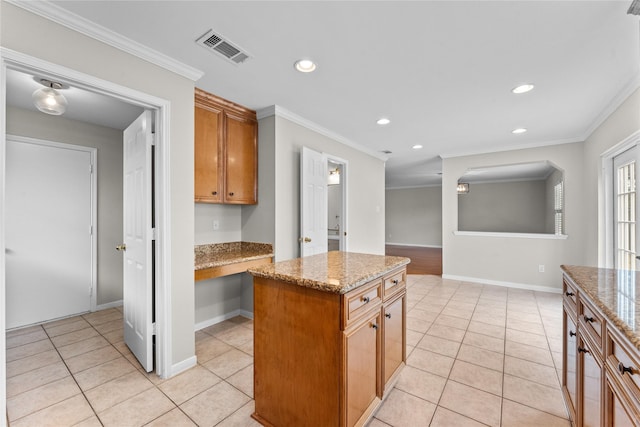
x=219, y=254
x=615, y=292
x=336, y=272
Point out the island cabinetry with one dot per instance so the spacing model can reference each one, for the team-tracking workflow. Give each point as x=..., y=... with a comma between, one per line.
x=601, y=347
x=323, y=357
x=226, y=151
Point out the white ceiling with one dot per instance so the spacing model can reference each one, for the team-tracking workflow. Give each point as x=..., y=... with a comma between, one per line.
x=441, y=70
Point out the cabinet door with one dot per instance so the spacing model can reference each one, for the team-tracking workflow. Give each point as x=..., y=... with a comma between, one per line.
x=207, y=153
x=591, y=387
x=362, y=347
x=394, y=338
x=241, y=159
x=570, y=360
x=617, y=416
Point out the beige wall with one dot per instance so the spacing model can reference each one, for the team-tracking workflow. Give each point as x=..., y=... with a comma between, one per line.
x=624, y=121
x=25, y=32
x=511, y=207
x=365, y=190
x=413, y=216
x=109, y=166
x=515, y=260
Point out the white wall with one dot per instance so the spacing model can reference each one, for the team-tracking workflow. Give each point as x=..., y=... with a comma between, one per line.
x=624, y=121
x=512, y=207
x=515, y=260
x=25, y=32
x=109, y=144
x=229, y=218
x=414, y=216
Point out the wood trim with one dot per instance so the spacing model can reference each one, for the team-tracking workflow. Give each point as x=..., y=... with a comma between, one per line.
x=424, y=260
x=226, y=270
x=208, y=100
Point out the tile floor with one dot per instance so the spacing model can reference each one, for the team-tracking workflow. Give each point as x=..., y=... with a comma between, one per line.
x=477, y=355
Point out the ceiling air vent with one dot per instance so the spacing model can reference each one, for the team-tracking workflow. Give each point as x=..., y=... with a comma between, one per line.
x=218, y=44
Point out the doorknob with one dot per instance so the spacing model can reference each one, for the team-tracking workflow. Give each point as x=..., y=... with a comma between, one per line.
x=121, y=247
x=305, y=239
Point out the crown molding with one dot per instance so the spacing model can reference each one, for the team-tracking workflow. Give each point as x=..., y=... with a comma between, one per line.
x=512, y=148
x=275, y=110
x=84, y=26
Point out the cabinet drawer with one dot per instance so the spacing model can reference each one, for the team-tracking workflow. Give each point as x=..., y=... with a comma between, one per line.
x=623, y=362
x=361, y=300
x=570, y=295
x=592, y=324
x=394, y=282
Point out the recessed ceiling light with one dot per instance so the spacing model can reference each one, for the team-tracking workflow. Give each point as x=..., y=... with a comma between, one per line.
x=523, y=88
x=519, y=130
x=305, y=65
x=383, y=121
x=417, y=147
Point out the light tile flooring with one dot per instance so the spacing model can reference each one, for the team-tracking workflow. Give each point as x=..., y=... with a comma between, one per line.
x=477, y=355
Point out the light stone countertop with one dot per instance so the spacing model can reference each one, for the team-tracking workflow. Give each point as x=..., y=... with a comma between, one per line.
x=335, y=272
x=220, y=254
x=615, y=292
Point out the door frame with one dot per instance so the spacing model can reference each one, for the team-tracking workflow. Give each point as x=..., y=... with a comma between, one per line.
x=93, y=153
x=344, y=218
x=606, y=233
x=10, y=59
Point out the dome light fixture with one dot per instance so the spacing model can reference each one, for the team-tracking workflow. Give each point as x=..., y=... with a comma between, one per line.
x=523, y=88
x=48, y=100
x=383, y=121
x=519, y=131
x=417, y=147
x=305, y=65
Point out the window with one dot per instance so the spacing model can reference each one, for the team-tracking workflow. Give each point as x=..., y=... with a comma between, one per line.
x=558, y=204
x=625, y=210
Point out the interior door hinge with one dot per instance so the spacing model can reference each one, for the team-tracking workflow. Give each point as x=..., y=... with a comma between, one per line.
x=154, y=234
x=153, y=328
x=90, y=169
x=153, y=139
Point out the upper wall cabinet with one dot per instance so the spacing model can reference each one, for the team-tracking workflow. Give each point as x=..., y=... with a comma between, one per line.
x=226, y=151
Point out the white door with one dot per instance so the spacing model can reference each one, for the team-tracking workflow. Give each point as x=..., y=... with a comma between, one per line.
x=625, y=209
x=138, y=234
x=313, y=202
x=48, y=232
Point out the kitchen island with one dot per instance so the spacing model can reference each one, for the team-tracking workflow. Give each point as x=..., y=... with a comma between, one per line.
x=601, y=346
x=329, y=337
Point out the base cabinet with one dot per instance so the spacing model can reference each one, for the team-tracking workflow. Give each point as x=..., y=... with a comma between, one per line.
x=590, y=380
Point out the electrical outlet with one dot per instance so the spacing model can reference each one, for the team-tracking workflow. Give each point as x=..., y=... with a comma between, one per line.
x=216, y=224
x=541, y=268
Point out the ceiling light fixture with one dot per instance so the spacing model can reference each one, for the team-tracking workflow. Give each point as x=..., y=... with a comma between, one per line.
x=462, y=188
x=305, y=65
x=519, y=130
x=383, y=121
x=524, y=88
x=417, y=147
x=48, y=99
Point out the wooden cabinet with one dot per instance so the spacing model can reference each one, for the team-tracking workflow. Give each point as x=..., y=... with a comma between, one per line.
x=225, y=151
x=323, y=358
x=600, y=379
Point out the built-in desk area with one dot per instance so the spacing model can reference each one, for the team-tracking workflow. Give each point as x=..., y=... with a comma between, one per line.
x=223, y=259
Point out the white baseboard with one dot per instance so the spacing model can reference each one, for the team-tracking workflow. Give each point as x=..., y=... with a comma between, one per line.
x=109, y=305
x=179, y=367
x=222, y=318
x=505, y=284
x=413, y=245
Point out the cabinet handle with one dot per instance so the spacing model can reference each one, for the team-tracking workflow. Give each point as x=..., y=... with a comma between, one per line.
x=374, y=326
x=395, y=281
x=231, y=194
x=569, y=294
x=624, y=369
x=589, y=319
x=365, y=299
x=572, y=334
x=388, y=315
x=214, y=193
x=583, y=350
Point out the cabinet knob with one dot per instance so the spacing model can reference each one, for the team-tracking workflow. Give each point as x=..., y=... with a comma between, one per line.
x=583, y=350
x=365, y=299
x=588, y=319
x=231, y=194
x=569, y=294
x=388, y=315
x=215, y=193
x=374, y=326
x=572, y=334
x=395, y=281
x=624, y=369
